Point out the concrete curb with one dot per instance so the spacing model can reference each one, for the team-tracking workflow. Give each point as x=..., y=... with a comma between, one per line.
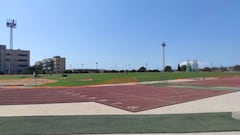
x=207, y=133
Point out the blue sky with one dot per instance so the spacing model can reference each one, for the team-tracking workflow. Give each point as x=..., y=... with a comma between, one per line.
x=119, y=33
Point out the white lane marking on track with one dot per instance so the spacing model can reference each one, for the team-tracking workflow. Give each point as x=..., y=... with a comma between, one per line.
x=92, y=97
x=132, y=107
x=82, y=96
x=103, y=100
x=117, y=103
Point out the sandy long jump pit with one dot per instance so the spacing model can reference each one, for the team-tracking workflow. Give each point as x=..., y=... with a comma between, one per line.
x=19, y=83
x=132, y=98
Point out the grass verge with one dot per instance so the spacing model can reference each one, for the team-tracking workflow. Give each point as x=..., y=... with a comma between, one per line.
x=197, y=87
x=107, y=124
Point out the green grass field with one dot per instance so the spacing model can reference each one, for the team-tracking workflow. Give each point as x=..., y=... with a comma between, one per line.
x=109, y=78
x=107, y=124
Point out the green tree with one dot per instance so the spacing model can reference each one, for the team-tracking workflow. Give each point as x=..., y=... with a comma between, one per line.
x=36, y=68
x=168, y=69
x=183, y=68
x=142, y=69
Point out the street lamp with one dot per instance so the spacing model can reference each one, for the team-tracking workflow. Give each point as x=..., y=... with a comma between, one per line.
x=163, y=46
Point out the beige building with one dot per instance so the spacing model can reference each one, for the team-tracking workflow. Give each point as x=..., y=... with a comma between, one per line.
x=55, y=64
x=13, y=61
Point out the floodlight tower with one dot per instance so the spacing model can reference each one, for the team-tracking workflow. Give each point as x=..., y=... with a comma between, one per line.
x=163, y=46
x=11, y=23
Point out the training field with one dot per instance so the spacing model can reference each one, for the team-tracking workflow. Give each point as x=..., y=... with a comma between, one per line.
x=132, y=102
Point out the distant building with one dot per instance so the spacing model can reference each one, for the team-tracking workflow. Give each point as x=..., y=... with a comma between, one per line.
x=13, y=61
x=190, y=65
x=55, y=64
x=195, y=66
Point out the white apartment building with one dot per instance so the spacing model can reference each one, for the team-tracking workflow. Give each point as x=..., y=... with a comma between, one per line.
x=55, y=64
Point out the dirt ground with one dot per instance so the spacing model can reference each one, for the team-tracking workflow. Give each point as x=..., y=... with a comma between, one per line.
x=24, y=82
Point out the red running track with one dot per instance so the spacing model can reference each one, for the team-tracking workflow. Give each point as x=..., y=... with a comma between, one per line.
x=131, y=98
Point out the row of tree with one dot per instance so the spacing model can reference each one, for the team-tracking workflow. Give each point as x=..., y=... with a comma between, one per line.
x=38, y=69
x=236, y=68
x=221, y=69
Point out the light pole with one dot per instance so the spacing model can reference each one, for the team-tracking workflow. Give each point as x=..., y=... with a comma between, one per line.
x=163, y=46
x=11, y=24
x=146, y=66
x=115, y=66
x=96, y=65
